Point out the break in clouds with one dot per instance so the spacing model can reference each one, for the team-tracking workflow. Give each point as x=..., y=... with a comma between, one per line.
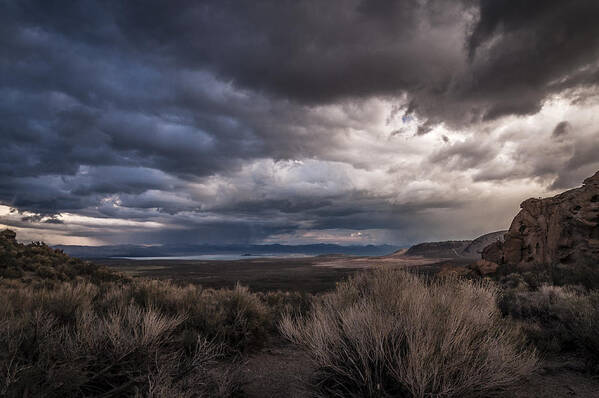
x=294, y=122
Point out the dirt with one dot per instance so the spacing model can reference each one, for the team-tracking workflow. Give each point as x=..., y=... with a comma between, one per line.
x=260, y=274
x=280, y=370
x=560, y=377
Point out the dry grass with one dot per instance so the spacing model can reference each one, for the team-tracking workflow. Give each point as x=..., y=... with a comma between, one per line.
x=391, y=334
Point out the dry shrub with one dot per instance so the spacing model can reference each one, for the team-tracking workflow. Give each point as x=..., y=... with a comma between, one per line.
x=85, y=340
x=280, y=303
x=546, y=302
x=236, y=317
x=71, y=328
x=557, y=319
x=390, y=333
x=583, y=323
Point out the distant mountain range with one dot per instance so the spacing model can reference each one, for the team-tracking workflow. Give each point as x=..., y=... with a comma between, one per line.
x=446, y=249
x=194, y=250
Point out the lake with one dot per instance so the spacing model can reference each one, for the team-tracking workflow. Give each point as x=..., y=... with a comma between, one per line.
x=221, y=257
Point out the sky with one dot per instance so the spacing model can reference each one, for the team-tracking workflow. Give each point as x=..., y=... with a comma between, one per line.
x=279, y=121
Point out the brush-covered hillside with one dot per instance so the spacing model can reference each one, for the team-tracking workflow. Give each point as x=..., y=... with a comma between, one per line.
x=69, y=328
x=37, y=262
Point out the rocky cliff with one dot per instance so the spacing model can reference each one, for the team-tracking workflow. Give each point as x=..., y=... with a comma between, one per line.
x=563, y=229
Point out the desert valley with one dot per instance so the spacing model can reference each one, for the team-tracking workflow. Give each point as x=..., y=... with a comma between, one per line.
x=299, y=199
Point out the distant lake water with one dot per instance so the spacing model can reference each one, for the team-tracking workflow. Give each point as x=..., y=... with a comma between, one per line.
x=222, y=257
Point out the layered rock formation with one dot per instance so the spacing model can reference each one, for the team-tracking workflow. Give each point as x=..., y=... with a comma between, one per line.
x=563, y=229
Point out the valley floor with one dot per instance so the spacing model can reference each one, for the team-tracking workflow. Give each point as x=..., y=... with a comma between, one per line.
x=307, y=274
x=281, y=369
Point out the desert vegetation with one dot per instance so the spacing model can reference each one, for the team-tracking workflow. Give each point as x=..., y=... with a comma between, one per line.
x=72, y=328
x=390, y=333
x=140, y=338
x=556, y=319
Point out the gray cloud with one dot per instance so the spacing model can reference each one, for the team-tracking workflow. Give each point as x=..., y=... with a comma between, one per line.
x=464, y=155
x=562, y=128
x=192, y=116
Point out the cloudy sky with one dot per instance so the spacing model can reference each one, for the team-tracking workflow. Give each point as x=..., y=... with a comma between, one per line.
x=338, y=121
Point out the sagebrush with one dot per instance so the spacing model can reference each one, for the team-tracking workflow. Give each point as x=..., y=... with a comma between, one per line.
x=390, y=333
x=557, y=319
x=87, y=340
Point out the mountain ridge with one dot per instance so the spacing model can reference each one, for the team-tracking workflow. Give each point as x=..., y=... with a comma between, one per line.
x=191, y=250
x=455, y=248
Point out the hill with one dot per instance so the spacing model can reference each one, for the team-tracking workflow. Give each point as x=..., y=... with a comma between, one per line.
x=455, y=248
x=476, y=247
x=446, y=249
x=39, y=262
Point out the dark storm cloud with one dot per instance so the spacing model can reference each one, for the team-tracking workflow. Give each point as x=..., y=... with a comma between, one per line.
x=523, y=51
x=124, y=110
x=321, y=51
x=315, y=51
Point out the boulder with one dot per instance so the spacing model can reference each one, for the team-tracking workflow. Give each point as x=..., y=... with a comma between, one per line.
x=563, y=229
x=484, y=267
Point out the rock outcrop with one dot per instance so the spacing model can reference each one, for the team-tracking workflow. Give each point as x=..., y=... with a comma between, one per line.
x=475, y=248
x=563, y=229
x=484, y=267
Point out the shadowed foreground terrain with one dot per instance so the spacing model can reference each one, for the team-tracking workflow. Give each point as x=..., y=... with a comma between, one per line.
x=74, y=328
